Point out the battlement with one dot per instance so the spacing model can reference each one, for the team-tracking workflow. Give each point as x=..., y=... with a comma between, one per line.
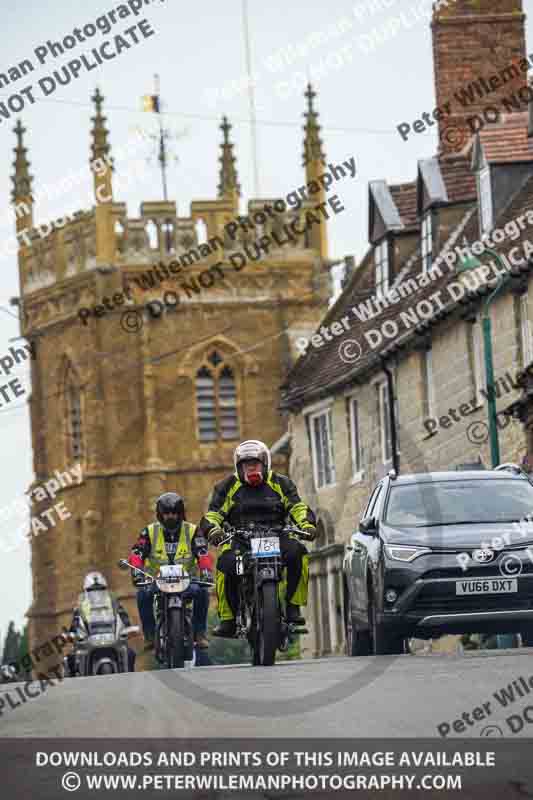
x=157, y=234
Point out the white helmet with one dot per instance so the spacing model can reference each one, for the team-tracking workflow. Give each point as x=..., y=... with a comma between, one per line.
x=249, y=449
x=94, y=580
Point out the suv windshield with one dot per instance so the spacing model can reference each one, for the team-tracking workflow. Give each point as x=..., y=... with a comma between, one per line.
x=468, y=501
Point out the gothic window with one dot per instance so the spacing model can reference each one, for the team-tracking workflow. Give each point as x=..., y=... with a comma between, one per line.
x=216, y=401
x=74, y=419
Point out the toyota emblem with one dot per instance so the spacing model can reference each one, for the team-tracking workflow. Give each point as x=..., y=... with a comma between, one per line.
x=483, y=556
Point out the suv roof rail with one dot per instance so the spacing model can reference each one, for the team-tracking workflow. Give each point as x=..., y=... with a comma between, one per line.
x=509, y=467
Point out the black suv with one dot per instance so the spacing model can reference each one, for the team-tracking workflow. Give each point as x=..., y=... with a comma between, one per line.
x=440, y=552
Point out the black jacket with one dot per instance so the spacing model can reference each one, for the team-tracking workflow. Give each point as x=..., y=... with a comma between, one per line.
x=275, y=502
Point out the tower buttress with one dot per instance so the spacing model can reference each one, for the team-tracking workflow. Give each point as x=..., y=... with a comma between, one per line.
x=229, y=187
x=21, y=195
x=314, y=161
x=102, y=167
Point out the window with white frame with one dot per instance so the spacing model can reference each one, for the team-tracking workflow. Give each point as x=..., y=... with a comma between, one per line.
x=353, y=434
x=526, y=349
x=485, y=199
x=381, y=262
x=385, y=422
x=478, y=363
x=429, y=384
x=427, y=241
x=322, y=449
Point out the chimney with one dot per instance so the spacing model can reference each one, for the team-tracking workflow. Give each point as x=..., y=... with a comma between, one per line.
x=472, y=44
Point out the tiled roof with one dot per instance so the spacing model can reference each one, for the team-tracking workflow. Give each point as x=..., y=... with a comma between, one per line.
x=404, y=196
x=323, y=369
x=458, y=178
x=507, y=142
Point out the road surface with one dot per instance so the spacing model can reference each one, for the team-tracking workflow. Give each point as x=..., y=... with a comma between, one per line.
x=402, y=696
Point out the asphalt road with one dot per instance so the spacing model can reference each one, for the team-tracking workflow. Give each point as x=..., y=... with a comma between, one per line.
x=404, y=696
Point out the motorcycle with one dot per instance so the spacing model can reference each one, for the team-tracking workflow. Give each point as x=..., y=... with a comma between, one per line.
x=8, y=673
x=260, y=618
x=101, y=641
x=174, y=644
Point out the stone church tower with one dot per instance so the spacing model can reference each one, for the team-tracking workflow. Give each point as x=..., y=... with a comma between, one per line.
x=161, y=408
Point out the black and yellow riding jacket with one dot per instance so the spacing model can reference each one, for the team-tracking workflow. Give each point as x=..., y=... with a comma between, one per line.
x=274, y=502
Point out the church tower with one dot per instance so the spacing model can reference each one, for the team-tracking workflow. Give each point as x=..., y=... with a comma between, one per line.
x=160, y=407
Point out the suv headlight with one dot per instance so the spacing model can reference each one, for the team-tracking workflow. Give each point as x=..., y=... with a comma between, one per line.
x=402, y=552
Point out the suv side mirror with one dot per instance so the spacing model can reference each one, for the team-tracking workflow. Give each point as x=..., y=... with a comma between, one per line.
x=369, y=525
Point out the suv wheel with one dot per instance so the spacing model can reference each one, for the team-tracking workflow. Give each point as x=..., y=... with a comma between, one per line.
x=382, y=643
x=357, y=642
x=527, y=636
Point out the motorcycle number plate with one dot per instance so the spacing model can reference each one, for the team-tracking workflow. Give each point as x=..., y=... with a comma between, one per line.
x=265, y=546
x=170, y=572
x=174, y=601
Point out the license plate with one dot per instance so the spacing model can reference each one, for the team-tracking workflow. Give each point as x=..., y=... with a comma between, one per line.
x=265, y=546
x=487, y=586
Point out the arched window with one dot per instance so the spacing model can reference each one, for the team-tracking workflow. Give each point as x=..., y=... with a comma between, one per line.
x=167, y=232
x=152, y=234
x=201, y=231
x=216, y=401
x=74, y=418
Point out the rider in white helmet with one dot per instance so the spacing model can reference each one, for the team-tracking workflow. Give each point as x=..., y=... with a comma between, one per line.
x=95, y=581
x=254, y=493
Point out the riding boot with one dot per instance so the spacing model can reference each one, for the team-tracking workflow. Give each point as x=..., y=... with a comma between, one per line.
x=293, y=614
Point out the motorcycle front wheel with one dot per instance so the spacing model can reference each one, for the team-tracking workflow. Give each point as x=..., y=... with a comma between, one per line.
x=175, y=639
x=268, y=622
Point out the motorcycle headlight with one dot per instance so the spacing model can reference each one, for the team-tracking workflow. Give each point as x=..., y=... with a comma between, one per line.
x=102, y=638
x=403, y=552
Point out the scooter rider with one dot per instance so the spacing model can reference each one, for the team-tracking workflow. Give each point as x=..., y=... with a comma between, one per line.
x=171, y=534
x=95, y=581
x=256, y=494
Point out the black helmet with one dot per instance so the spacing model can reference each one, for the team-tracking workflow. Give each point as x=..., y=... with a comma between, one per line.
x=170, y=502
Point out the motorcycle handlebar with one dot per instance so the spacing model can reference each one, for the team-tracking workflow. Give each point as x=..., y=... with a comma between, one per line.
x=247, y=534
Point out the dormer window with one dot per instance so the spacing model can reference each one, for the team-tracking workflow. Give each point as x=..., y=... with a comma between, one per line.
x=427, y=242
x=381, y=261
x=485, y=199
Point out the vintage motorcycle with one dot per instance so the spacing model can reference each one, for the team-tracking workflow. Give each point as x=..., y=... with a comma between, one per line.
x=261, y=618
x=101, y=641
x=174, y=643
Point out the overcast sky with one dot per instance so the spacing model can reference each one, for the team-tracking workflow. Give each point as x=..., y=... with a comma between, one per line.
x=199, y=52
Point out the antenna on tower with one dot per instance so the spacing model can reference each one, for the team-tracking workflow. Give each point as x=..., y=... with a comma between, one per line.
x=251, y=96
x=153, y=102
